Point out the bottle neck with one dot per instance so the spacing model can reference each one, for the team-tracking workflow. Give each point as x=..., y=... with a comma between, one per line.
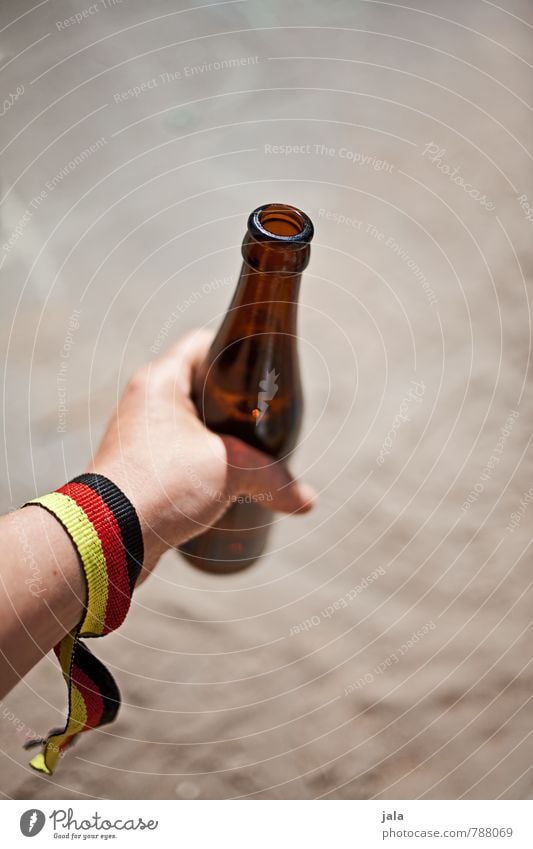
x=270, y=276
x=270, y=290
x=275, y=250
x=274, y=257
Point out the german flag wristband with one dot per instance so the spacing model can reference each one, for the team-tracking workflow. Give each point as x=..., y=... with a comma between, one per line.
x=104, y=527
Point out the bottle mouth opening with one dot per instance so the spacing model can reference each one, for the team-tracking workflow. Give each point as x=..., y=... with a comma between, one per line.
x=278, y=222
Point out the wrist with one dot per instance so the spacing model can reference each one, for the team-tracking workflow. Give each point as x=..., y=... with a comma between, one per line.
x=104, y=528
x=136, y=487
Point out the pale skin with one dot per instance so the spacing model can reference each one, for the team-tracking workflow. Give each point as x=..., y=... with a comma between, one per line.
x=179, y=476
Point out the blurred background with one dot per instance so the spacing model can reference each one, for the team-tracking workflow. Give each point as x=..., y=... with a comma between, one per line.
x=382, y=649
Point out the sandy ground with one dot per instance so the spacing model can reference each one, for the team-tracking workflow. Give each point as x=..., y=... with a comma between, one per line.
x=414, y=124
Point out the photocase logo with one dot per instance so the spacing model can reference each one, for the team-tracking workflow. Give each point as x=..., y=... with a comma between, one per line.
x=32, y=822
x=268, y=388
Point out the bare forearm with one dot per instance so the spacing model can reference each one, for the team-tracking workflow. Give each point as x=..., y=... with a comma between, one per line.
x=42, y=590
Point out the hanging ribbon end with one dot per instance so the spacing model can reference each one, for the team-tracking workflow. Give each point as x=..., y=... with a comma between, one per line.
x=39, y=763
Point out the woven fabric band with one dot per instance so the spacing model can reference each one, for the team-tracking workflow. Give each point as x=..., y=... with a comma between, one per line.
x=104, y=527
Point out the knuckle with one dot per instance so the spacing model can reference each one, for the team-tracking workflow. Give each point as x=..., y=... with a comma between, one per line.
x=139, y=380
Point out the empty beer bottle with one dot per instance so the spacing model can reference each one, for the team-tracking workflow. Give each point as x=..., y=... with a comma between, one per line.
x=249, y=386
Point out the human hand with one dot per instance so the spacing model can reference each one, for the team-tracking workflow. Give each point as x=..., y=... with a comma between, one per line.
x=180, y=476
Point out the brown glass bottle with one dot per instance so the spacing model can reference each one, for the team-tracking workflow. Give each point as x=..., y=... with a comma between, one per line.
x=250, y=385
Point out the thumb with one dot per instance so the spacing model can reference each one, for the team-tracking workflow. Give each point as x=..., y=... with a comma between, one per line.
x=251, y=472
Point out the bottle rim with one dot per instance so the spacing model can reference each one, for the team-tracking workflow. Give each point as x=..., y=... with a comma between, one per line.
x=279, y=222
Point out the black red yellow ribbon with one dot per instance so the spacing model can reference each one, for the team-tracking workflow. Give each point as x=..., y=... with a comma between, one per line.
x=106, y=532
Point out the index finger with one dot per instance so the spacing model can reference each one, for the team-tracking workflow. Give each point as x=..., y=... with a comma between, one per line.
x=181, y=360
